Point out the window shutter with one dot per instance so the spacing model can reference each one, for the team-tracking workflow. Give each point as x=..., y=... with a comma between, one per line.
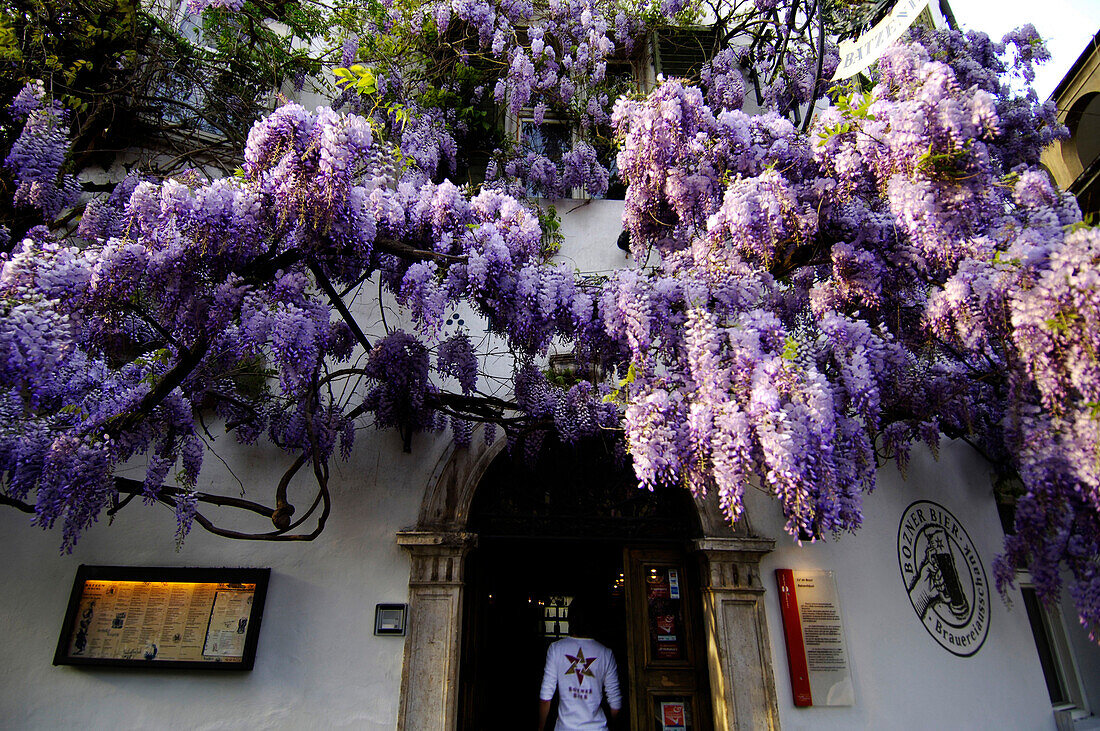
x=681, y=52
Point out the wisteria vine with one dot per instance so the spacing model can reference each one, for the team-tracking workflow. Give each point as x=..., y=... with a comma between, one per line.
x=899, y=272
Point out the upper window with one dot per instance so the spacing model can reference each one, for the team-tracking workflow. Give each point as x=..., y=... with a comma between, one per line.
x=681, y=52
x=552, y=138
x=555, y=137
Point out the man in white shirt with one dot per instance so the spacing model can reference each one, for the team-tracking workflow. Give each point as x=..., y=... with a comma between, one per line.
x=583, y=673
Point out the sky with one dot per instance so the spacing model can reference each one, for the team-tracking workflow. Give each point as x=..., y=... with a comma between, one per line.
x=1066, y=26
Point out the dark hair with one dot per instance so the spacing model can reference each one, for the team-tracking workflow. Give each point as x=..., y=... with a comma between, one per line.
x=579, y=618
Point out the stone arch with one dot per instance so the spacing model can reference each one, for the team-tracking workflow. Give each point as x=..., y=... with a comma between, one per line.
x=742, y=680
x=457, y=474
x=451, y=488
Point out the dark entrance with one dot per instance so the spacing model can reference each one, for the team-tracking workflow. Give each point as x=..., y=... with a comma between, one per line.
x=576, y=524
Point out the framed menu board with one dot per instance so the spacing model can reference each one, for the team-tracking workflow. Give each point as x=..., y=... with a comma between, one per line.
x=131, y=616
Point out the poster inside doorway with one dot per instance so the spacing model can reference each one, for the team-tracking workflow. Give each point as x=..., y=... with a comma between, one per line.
x=817, y=654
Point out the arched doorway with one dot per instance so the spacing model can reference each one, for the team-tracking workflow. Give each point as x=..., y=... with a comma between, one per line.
x=571, y=524
x=737, y=647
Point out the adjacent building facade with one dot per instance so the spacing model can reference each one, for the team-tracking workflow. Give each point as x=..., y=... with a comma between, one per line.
x=1075, y=163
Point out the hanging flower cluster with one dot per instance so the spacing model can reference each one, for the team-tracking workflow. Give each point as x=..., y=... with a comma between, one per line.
x=36, y=158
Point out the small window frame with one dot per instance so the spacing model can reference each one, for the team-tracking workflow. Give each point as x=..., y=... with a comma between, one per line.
x=1052, y=622
x=527, y=116
x=516, y=123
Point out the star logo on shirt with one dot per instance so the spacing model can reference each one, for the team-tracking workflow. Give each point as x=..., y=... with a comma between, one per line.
x=581, y=665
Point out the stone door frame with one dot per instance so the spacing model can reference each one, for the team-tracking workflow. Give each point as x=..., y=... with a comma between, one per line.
x=738, y=650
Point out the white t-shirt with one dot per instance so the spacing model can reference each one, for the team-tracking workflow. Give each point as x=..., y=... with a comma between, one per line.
x=582, y=671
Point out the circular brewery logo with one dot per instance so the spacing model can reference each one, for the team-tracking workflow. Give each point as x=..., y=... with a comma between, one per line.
x=944, y=577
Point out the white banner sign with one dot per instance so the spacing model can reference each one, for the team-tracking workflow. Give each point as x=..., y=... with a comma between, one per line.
x=859, y=53
x=817, y=654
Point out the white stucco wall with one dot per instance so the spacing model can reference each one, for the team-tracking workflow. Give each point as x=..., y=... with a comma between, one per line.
x=902, y=678
x=318, y=664
x=590, y=229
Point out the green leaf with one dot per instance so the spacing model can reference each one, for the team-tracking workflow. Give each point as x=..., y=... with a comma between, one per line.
x=790, y=349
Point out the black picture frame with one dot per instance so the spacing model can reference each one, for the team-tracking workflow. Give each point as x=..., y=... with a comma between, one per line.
x=383, y=616
x=230, y=576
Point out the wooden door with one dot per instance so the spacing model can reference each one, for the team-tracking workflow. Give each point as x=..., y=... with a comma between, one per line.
x=668, y=667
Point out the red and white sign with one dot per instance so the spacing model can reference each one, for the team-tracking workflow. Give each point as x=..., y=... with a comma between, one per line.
x=672, y=716
x=816, y=652
x=666, y=624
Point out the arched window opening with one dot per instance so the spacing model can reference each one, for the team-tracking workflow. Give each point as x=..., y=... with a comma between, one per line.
x=1083, y=121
